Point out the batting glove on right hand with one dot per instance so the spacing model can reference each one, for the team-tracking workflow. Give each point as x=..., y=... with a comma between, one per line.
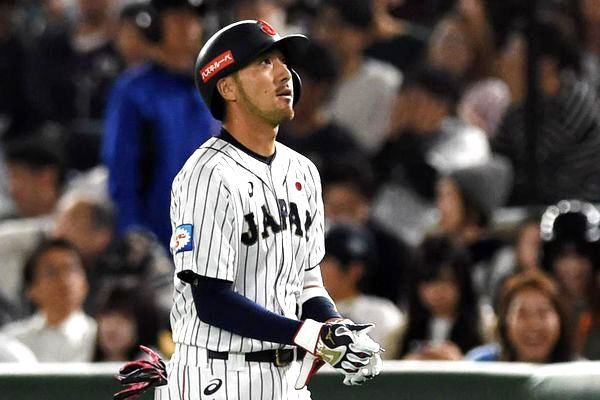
x=141, y=375
x=346, y=347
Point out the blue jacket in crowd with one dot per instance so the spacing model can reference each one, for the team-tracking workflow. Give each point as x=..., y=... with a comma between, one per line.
x=155, y=119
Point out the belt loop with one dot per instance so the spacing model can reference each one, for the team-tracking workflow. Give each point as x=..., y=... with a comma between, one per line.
x=236, y=361
x=202, y=357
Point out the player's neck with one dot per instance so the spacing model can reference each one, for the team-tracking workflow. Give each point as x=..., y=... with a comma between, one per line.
x=253, y=134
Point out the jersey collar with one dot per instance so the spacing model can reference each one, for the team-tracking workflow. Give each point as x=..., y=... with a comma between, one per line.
x=226, y=136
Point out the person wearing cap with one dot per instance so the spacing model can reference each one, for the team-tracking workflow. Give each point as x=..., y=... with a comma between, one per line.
x=466, y=200
x=570, y=252
x=351, y=253
x=248, y=238
x=155, y=118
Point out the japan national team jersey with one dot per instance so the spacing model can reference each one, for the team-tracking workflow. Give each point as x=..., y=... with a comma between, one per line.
x=238, y=218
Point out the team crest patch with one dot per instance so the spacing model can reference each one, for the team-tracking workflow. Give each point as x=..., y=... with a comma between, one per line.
x=182, y=238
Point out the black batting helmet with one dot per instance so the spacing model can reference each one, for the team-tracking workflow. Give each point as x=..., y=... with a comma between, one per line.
x=570, y=224
x=235, y=46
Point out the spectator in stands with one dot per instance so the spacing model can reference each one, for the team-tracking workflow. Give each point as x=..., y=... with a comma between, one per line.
x=155, y=119
x=72, y=66
x=570, y=232
x=461, y=43
x=569, y=124
x=75, y=64
x=36, y=174
x=17, y=115
x=88, y=223
x=466, y=201
x=453, y=46
x=272, y=11
x=426, y=140
x=55, y=283
x=528, y=245
x=533, y=324
x=127, y=318
x=137, y=25
x=312, y=132
x=444, y=320
x=400, y=42
x=587, y=22
x=362, y=101
x=347, y=196
x=350, y=252
x=36, y=178
x=587, y=338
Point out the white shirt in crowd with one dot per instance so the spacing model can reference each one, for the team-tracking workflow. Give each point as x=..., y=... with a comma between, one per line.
x=363, y=103
x=72, y=340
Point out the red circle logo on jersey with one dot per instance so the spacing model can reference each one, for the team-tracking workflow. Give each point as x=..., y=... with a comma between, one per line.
x=298, y=186
x=266, y=28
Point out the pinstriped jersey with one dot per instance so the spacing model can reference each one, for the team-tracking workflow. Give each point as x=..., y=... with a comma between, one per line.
x=257, y=224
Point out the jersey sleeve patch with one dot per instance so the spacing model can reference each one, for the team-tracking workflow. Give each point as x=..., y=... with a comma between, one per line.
x=183, y=238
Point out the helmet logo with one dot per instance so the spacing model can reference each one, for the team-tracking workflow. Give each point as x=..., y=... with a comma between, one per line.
x=216, y=64
x=266, y=28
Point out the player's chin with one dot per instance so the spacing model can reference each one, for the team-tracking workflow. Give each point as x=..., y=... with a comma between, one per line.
x=286, y=113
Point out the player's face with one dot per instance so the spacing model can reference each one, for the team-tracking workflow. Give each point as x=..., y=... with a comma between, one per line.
x=533, y=326
x=265, y=88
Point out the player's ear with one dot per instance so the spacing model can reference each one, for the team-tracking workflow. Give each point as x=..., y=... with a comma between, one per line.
x=227, y=88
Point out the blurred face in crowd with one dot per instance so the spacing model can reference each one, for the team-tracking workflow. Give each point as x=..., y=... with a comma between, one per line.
x=450, y=47
x=345, y=40
x=33, y=190
x=339, y=282
x=117, y=334
x=528, y=246
x=267, y=10
x=429, y=111
x=511, y=65
x=182, y=31
x=450, y=206
x=94, y=10
x=59, y=283
x=533, y=325
x=574, y=272
x=590, y=9
x=74, y=223
x=131, y=44
x=264, y=88
x=344, y=203
x=440, y=295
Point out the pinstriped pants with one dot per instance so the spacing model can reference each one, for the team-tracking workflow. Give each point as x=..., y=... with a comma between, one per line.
x=203, y=379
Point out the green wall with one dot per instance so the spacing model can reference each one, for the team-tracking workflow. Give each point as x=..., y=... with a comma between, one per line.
x=399, y=381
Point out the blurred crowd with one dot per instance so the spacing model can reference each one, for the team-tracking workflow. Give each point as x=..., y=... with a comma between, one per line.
x=459, y=196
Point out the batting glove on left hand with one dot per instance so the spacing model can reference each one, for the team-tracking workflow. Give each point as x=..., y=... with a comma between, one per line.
x=346, y=347
x=141, y=375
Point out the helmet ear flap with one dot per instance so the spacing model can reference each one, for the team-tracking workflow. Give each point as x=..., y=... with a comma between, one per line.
x=297, y=84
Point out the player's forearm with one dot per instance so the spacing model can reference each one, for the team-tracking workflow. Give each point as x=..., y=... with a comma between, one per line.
x=320, y=309
x=218, y=305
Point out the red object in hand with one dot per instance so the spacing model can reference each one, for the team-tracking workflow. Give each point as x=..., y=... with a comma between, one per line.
x=141, y=375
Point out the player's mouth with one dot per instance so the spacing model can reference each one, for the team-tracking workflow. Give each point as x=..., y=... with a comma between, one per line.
x=285, y=93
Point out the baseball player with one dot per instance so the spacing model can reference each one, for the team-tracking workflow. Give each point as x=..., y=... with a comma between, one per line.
x=247, y=220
